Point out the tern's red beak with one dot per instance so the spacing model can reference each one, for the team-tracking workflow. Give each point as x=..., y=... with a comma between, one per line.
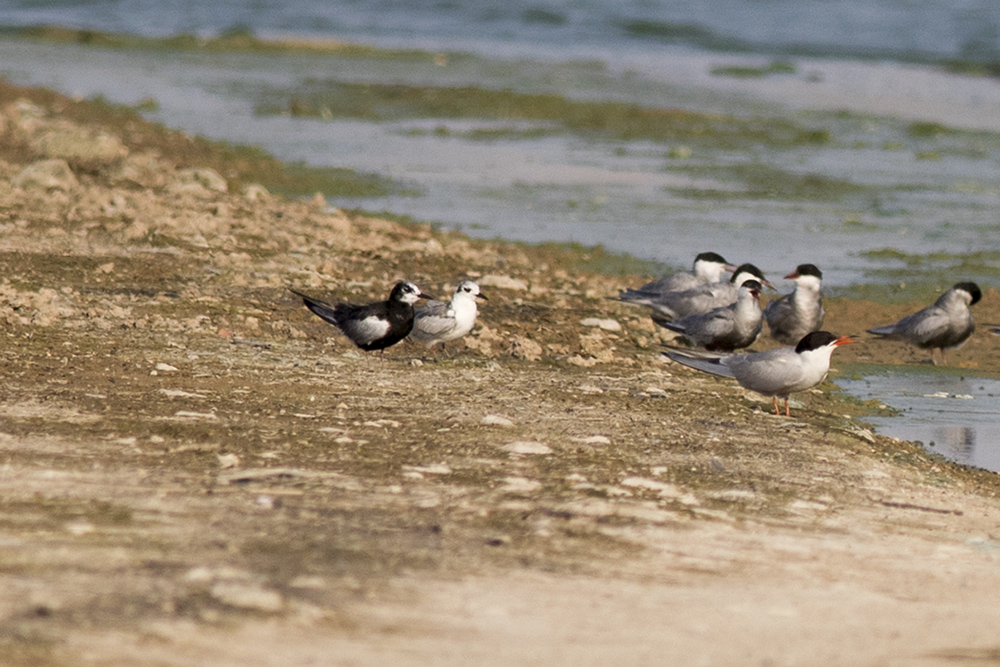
x=844, y=340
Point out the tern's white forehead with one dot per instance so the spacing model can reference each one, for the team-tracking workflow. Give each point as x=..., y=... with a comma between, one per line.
x=467, y=287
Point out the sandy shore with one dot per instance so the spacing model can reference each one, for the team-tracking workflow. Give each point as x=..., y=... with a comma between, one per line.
x=195, y=470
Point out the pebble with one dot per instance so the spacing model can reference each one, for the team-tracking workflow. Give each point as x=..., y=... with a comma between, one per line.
x=503, y=282
x=46, y=175
x=606, y=324
x=496, y=420
x=246, y=596
x=593, y=440
x=433, y=469
x=520, y=485
x=527, y=447
x=227, y=461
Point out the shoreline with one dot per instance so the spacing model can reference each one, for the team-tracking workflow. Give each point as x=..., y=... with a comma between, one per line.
x=896, y=202
x=198, y=471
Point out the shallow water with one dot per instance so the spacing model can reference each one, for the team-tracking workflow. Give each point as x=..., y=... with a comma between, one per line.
x=874, y=184
x=954, y=415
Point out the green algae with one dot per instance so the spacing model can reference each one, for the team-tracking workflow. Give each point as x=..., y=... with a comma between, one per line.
x=751, y=72
x=235, y=40
x=764, y=181
x=620, y=121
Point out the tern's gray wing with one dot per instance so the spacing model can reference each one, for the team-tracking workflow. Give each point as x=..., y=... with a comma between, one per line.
x=711, y=326
x=698, y=300
x=789, y=324
x=918, y=328
x=675, y=283
x=434, y=319
x=714, y=364
x=770, y=373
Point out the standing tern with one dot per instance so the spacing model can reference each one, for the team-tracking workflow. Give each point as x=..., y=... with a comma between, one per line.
x=727, y=328
x=375, y=326
x=776, y=373
x=440, y=322
x=794, y=315
x=946, y=324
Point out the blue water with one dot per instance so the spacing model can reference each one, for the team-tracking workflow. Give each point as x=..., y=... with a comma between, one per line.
x=861, y=70
x=898, y=30
x=950, y=414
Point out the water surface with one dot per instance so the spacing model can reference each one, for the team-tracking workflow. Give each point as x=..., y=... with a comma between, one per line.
x=949, y=413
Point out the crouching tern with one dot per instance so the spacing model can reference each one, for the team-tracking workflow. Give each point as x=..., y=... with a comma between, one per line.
x=728, y=328
x=776, y=373
x=374, y=326
x=440, y=322
x=708, y=268
x=945, y=324
x=669, y=306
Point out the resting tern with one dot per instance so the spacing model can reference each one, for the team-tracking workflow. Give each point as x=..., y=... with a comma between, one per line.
x=728, y=328
x=776, y=373
x=674, y=305
x=440, y=322
x=708, y=268
x=377, y=325
x=947, y=323
x=794, y=315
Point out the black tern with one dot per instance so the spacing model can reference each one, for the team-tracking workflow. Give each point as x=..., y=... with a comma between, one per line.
x=375, y=326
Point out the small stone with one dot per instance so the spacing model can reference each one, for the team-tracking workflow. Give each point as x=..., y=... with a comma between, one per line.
x=496, y=420
x=79, y=528
x=246, y=596
x=227, y=461
x=433, y=469
x=502, y=282
x=198, y=180
x=593, y=440
x=46, y=175
x=520, y=485
x=525, y=348
x=606, y=324
x=527, y=447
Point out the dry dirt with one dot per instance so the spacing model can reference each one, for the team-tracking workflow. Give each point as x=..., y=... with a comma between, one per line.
x=194, y=470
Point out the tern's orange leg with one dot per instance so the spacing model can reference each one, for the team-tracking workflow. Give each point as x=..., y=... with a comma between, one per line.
x=774, y=401
x=787, y=412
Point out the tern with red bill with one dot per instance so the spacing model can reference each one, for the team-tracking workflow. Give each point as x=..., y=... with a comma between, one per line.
x=794, y=315
x=777, y=373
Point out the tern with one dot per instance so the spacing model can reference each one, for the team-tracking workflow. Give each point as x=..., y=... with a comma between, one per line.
x=776, y=373
x=375, y=326
x=728, y=328
x=675, y=305
x=946, y=324
x=440, y=322
x=794, y=315
x=708, y=268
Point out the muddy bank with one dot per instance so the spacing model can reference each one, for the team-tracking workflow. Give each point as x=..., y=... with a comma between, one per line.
x=196, y=470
